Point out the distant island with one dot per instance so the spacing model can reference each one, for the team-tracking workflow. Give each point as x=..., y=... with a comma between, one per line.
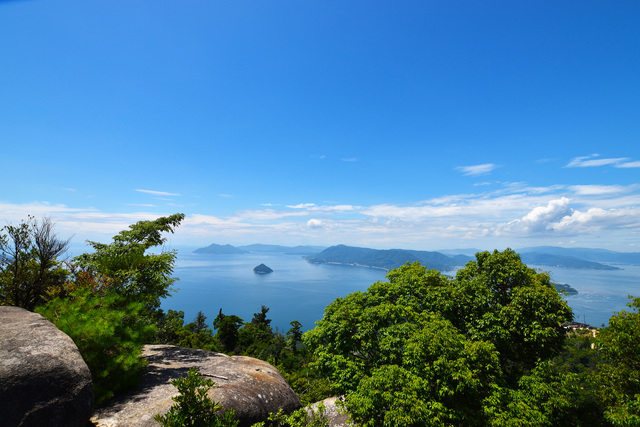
x=565, y=288
x=262, y=269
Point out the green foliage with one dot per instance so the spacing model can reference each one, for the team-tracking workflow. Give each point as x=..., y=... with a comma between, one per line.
x=172, y=330
x=138, y=276
x=546, y=396
x=29, y=263
x=424, y=349
x=228, y=331
x=107, y=304
x=619, y=374
x=109, y=334
x=294, y=336
x=194, y=407
x=303, y=417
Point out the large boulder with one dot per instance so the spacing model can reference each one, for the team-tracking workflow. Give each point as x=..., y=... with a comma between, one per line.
x=43, y=379
x=251, y=387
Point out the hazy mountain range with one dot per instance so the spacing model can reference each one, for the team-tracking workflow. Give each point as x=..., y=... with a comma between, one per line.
x=583, y=258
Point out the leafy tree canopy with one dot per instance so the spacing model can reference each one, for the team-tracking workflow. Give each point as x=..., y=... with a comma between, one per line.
x=139, y=276
x=427, y=349
x=619, y=376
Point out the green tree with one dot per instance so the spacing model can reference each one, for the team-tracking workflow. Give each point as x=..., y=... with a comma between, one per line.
x=227, y=331
x=619, y=370
x=109, y=334
x=139, y=276
x=503, y=301
x=107, y=304
x=194, y=407
x=423, y=343
x=29, y=263
x=294, y=336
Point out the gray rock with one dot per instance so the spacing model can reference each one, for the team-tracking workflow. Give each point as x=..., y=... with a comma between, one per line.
x=333, y=412
x=251, y=387
x=43, y=379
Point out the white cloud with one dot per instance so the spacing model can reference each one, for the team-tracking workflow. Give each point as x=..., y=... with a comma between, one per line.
x=142, y=205
x=267, y=214
x=543, y=218
x=477, y=170
x=157, y=193
x=314, y=223
x=301, y=206
x=590, y=161
x=635, y=164
x=598, y=190
x=350, y=159
x=515, y=214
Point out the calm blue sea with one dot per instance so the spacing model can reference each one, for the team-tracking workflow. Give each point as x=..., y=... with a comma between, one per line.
x=297, y=290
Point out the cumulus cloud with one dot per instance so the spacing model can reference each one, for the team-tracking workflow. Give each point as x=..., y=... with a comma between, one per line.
x=543, y=218
x=558, y=217
x=477, y=170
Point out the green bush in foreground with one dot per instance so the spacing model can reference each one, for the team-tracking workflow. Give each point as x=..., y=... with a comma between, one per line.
x=193, y=406
x=109, y=336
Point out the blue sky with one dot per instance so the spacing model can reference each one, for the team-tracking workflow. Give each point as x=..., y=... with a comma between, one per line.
x=426, y=125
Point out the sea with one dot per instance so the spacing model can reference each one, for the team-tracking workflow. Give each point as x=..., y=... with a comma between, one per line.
x=298, y=290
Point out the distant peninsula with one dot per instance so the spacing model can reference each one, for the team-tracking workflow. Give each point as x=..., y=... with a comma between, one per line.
x=562, y=261
x=262, y=269
x=394, y=258
x=385, y=259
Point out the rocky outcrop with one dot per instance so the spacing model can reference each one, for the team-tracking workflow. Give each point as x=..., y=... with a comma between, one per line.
x=43, y=379
x=333, y=412
x=251, y=387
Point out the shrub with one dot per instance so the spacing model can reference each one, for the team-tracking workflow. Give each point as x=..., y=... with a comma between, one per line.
x=193, y=406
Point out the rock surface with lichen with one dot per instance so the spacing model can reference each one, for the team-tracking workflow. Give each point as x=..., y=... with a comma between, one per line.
x=251, y=387
x=43, y=379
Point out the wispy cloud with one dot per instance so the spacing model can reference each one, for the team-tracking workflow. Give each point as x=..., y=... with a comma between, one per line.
x=634, y=164
x=142, y=205
x=158, y=193
x=512, y=214
x=599, y=190
x=349, y=159
x=477, y=170
x=594, y=160
x=301, y=206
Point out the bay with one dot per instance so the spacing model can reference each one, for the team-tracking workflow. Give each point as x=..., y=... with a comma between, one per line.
x=297, y=290
x=600, y=292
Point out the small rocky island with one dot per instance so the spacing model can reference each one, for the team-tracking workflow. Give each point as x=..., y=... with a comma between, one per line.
x=262, y=269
